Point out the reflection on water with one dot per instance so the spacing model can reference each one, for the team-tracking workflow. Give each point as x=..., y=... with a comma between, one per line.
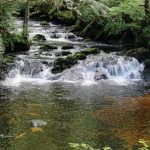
x=100, y=115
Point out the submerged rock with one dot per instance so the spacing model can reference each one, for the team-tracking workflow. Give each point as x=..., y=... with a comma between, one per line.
x=39, y=37
x=100, y=74
x=55, y=36
x=38, y=123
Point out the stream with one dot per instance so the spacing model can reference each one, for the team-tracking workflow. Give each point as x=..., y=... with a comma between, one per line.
x=75, y=106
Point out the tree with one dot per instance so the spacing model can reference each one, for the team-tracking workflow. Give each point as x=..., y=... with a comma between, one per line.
x=26, y=19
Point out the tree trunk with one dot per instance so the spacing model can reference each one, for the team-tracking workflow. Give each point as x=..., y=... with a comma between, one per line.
x=147, y=9
x=26, y=19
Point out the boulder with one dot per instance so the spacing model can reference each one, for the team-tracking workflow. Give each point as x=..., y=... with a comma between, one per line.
x=80, y=56
x=39, y=37
x=90, y=51
x=67, y=46
x=99, y=75
x=44, y=23
x=63, y=53
x=38, y=123
x=47, y=47
x=139, y=53
x=63, y=63
x=71, y=37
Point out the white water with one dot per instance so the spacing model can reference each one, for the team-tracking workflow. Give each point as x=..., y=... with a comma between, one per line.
x=35, y=66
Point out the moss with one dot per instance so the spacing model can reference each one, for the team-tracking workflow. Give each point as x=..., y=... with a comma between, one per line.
x=47, y=47
x=67, y=46
x=39, y=37
x=66, y=16
x=91, y=51
x=44, y=23
x=4, y=65
x=15, y=43
x=61, y=64
x=79, y=56
x=140, y=53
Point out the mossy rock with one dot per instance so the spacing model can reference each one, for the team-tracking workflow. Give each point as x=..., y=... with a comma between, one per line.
x=44, y=23
x=61, y=64
x=67, y=46
x=16, y=43
x=79, y=56
x=66, y=16
x=147, y=64
x=63, y=53
x=140, y=53
x=91, y=51
x=39, y=37
x=47, y=47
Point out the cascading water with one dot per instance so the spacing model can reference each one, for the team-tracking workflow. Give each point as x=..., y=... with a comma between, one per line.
x=36, y=64
x=105, y=66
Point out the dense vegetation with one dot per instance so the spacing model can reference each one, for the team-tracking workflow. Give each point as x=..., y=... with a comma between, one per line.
x=120, y=21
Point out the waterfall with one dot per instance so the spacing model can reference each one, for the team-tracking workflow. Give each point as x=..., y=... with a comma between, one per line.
x=105, y=66
x=36, y=65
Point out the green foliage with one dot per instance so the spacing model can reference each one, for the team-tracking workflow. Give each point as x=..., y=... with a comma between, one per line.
x=84, y=146
x=144, y=145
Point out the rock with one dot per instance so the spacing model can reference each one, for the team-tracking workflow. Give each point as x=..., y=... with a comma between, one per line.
x=64, y=47
x=99, y=75
x=63, y=53
x=47, y=63
x=63, y=63
x=47, y=47
x=44, y=23
x=38, y=123
x=147, y=63
x=39, y=37
x=139, y=53
x=71, y=37
x=90, y=51
x=80, y=56
x=55, y=36
x=56, y=77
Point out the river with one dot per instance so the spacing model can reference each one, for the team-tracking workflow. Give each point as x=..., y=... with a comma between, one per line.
x=76, y=108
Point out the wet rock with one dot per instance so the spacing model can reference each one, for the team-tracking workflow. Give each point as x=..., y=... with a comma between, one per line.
x=63, y=63
x=55, y=77
x=147, y=63
x=139, y=53
x=71, y=37
x=90, y=51
x=39, y=37
x=55, y=36
x=47, y=63
x=64, y=47
x=38, y=123
x=99, y=75
x=80, y=56
x=44, y=23
x=47, y=47
x=63, y=53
